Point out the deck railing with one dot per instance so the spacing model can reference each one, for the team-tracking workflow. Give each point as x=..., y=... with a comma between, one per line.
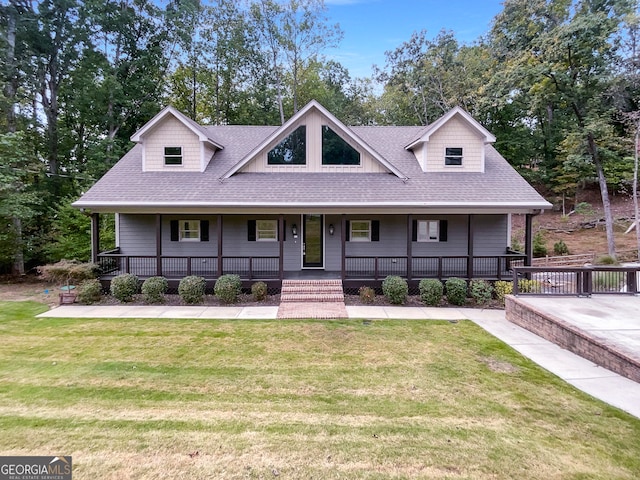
x=372, y=268
x=573, y=281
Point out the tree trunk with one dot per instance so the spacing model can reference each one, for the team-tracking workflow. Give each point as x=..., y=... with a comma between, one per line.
x=604, y=193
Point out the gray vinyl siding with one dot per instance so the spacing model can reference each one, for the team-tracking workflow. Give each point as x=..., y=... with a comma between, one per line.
x=137, y=238
x=490, y=235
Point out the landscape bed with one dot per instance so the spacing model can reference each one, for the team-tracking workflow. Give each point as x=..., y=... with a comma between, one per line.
x=151, y=398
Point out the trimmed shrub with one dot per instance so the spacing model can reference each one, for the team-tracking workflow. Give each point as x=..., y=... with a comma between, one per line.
x=90, y=291
x=227, y=288
x=560, y=248
x=502, y=289
x=456, y=290
x=431, y=291
x=259, y=291
x=154, y=288
x=124, y=287
x=395, y=289
x=367, y=294
x=191, y=289
x=481, y=291
x=529, y=286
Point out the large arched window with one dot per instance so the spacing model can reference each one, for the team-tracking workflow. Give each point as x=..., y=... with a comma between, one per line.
x=335, y=151
x=290, y=151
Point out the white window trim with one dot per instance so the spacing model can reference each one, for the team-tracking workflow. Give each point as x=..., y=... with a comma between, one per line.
x=455, y=156
x=181, y=157
x=274, y=238
x=427, y=229
x=359, y=239
x=182, y=230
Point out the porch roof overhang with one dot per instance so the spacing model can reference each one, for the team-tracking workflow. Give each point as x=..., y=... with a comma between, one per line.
x=380, y=208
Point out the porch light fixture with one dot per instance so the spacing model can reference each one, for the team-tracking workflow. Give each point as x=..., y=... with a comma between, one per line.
x=331, y=229
x=294, y=230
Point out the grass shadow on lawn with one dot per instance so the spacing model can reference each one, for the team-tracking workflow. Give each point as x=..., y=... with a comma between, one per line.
x=137, y=398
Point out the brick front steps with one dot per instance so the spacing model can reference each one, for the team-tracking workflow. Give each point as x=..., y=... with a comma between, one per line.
x=600, y=351
x=317, y=291
x=312, y=299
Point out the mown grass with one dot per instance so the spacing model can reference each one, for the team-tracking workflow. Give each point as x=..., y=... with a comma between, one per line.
x=295, y=399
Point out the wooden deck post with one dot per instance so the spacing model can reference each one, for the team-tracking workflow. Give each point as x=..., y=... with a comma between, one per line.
x=219, y=246
x=281, y=254
x=95, y=237
x=409, y=247
x=343, y=240
x=158, y=244
x=528, y=240
x=470, y=235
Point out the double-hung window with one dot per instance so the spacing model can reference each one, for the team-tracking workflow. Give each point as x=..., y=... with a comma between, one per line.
x=428, y=231
x=266, y=230
x=453, y=156
x=360, y=231
x=189, y=231
x=173, y=155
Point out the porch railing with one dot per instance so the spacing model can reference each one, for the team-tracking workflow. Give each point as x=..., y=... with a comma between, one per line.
x=377, y=268
x=114, y=263
x=574, y=281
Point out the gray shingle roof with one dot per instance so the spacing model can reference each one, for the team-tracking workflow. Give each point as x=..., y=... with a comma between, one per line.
x=126, y=186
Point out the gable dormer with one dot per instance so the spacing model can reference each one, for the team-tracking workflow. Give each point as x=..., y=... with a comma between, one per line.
x=314, y=140
x=455, y=142
x=173, y=142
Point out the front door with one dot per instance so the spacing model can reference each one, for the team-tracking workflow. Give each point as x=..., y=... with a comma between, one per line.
x=312, y=241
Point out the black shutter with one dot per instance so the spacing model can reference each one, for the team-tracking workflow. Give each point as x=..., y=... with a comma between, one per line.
x=443, y=230
x=414, y=231
x=284, y=230
x=174, y=230
x=347, y=233
x=251, y=230
x=375, y=230
x=204, y=230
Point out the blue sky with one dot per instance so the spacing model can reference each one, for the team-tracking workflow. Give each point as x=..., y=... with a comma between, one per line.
x=372, y=27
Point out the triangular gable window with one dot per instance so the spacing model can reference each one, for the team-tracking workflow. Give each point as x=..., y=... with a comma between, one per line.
x=290, y=151
x=335, y=151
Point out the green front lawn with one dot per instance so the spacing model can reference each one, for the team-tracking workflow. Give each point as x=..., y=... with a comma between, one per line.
x=297, y=400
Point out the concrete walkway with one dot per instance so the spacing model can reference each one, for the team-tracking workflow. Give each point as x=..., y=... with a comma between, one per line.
x=582, y=374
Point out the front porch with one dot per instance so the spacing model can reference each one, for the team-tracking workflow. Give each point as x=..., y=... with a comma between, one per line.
x=357, y=270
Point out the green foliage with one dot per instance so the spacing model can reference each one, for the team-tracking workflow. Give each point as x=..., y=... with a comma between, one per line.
x=606, y=260
x=560, y=248
x=529, y=286
x=67, y=271
x=584, y=208
x=431, y=291
x=481, y=291
x=153, y=289
x=539, y=245
x=259, y=291
x=456, y=291
x=90, y=291
x=366, y=294
x=395, y=289
x=227, y=288
x=502, y=289
x=191, y=289
x=516, y=246
x=124, y=287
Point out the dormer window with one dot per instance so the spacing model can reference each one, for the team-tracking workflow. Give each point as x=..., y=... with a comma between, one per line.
x=290, y=151
x=453, y=156
x=173, y=155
